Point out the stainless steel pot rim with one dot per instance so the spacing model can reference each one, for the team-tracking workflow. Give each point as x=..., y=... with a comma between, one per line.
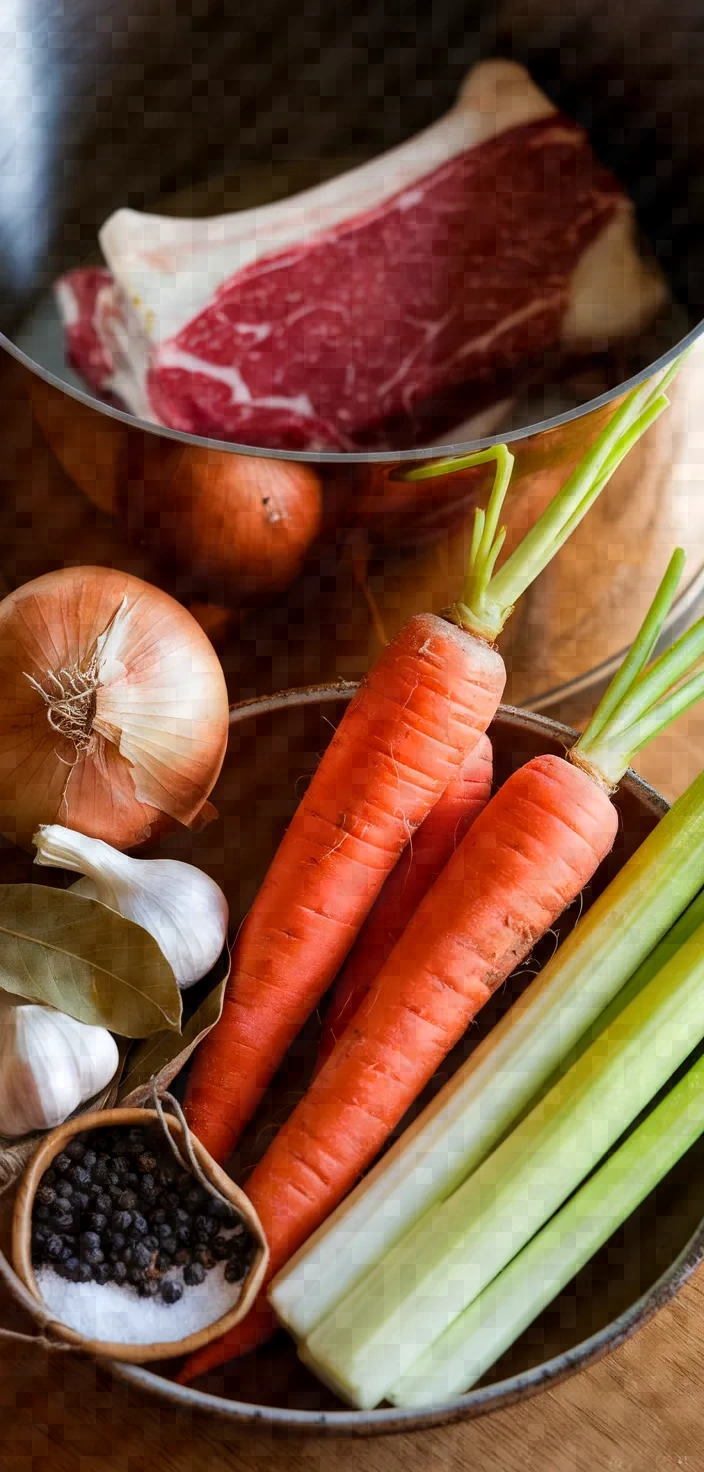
x=357, y=457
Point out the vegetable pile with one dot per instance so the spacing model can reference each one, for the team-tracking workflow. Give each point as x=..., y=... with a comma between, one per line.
x=411, y=893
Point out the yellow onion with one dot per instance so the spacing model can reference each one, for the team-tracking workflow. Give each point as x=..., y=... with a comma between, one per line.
x=113, y=708
x=240, y=525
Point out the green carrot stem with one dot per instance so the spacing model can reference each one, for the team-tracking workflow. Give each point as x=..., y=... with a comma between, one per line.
x=639, y=702
x=489, y=596
x=480, y=1335
x=640, y=650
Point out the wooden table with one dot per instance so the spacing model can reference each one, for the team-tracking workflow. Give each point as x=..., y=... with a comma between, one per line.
x=642, y=1408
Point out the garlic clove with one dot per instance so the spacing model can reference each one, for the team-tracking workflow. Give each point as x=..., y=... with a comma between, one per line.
x=181, y=907
x=49, y=1065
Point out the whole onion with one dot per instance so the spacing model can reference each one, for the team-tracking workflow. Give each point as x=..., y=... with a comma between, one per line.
x=239, y=525
x=113, y=708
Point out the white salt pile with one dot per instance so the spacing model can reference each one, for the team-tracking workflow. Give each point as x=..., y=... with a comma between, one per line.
x=108, y=1312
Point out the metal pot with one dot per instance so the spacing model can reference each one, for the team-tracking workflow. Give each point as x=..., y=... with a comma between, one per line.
x=147, y=105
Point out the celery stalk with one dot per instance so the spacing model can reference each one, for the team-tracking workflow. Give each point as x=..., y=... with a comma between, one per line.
x=505, y=1072
x=410, y=1298
x=479, y=1336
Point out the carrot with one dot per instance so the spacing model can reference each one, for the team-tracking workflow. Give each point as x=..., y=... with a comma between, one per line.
x=421, y=710
x=421, y=862
x=527, y=856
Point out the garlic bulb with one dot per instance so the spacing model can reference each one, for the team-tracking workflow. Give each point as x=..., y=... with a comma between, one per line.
x=182, y=908
x=49, y=1064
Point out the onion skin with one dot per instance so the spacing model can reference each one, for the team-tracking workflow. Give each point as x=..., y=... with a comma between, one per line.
x=159, y=727
x=239, y=525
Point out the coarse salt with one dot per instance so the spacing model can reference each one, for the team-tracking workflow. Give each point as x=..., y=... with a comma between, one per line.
x=116, y=1314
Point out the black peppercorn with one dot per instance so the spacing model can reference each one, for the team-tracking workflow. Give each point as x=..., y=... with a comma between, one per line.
x=119, y=1273
x=159, y=1216
x=151, y=1241
x=171, y=1291
x=127, y=1255
x=141, y=1256
x=221, y=1247
x=136, y=1276
x=92, y=1255
x=119, y=1165
x=182, y=1257
x=89, y=1159
x=204, y=1228
x=42, y=1213
x=46, y=1195
x=49, y=1177
x=221, y=1210
x=204, y=1256
x=164, y=1231
x=75, y=1148
x=64, y=1190
x=79, y=1175
x=235, y=1269
x=146, y=1163
x=194, y=1198
x=170, y=1245
x=117, y=1241
x=103, y=1202
x=139, y=1225
x=163, y=1261
x=63, y=1221
x=127, y=1201
x=54, y=1245
x=62, y=1163
x=194, y=1274
x=183, y=1236
x=102, y=1273
x=122, y=1220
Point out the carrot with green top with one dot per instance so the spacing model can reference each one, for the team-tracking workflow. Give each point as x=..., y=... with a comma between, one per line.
x=525, y=858
x=418, y=714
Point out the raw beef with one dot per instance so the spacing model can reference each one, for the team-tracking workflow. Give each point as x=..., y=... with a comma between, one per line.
x=361, y=312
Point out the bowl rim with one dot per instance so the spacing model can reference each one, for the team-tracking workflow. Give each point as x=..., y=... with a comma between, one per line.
x=354, y=457
x=503, y=1393
x=478, y=1402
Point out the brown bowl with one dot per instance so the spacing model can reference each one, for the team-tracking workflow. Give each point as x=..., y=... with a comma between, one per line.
x=275, y=743
x=22, y=1230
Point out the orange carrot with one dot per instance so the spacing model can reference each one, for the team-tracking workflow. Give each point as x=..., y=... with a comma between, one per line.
x=424, y=706
x=527, y=856
x=422, y=709
x=422, y=860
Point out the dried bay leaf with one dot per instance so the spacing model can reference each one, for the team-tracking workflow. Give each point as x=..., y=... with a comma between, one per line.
x=164, y=1054
x=74, y=954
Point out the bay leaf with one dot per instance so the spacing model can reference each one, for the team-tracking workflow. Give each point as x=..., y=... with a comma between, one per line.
x=164, y=1054
x=77, y=955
